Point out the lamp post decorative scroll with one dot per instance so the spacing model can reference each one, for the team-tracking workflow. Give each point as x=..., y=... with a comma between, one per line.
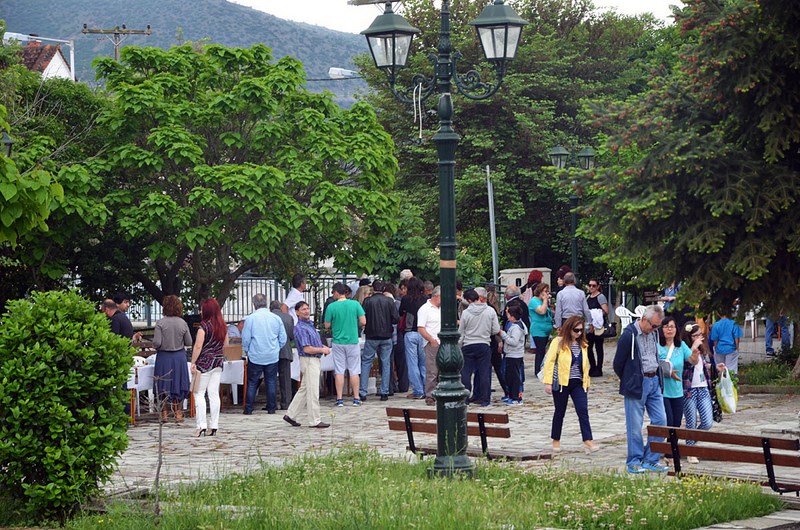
x=583, y=159
x=389, y=38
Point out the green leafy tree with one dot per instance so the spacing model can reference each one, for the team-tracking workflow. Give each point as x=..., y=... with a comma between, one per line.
x=62, y=422
x=53, y=123
x=705, y=184
x=569, y=53
x=223, y=163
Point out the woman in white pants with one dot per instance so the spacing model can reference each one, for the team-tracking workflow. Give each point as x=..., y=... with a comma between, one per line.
x=208, y=359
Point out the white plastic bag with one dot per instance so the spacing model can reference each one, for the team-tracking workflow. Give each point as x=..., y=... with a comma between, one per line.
x=726, y=393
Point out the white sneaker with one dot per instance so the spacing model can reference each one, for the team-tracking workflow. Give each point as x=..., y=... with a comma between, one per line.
x=692, y=460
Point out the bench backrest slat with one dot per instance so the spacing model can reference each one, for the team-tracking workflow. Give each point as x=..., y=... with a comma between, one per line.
x=724, y=438
x=430, y=414
x=707, y=452
x=430, y=428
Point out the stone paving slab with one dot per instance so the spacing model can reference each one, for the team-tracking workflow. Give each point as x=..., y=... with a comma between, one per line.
x=244, y=443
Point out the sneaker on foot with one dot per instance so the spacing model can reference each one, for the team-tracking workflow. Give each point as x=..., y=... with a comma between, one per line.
x=693, y=460
x=506, y=400
x=635, y=468
x=514, y=402
x=356, y=402
x=661, y=468
x=340, y=403
x=384, y=397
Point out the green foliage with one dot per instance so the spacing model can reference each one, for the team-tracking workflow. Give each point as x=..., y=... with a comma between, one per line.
x=25, y=198
x=222, y=160
x=62, y=422
x=502, y=496
x=570, y=53
x=774, y=372
x=53, y=123
x=708, y=188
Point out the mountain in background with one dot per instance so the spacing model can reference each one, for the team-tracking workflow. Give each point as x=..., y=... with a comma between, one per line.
x=176, y=21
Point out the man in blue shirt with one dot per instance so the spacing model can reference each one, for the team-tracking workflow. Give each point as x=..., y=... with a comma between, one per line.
x=263, y=337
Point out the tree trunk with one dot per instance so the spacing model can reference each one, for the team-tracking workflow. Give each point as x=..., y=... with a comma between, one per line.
x=796, y=369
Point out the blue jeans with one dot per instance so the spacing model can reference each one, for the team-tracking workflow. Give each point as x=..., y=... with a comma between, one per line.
x=478, y=361
x=698, y=403
x=270, y=372
x=652, y=401
x=383, y=347
x=415, y=359
x=783, y=322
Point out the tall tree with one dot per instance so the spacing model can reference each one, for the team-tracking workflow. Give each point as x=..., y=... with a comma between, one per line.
x=569, y=53
x=223, y=163
x=706, y=184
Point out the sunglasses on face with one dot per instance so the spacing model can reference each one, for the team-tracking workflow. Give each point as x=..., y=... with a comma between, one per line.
x=654, y=326
x=592, y=285
x=577, y=330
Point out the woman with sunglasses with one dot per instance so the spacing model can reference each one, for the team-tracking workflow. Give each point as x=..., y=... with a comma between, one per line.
x=598, y=305
x=698, y=377
x=674, y=354
x=568, y=358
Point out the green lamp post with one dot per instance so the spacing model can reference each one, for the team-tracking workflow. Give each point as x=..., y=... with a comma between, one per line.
x=499, y=29
x=583, y=159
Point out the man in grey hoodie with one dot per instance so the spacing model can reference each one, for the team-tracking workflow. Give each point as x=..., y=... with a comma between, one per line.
x=477, y=325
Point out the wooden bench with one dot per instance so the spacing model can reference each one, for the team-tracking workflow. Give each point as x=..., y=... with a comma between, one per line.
x=486, y=425
x=728, y=447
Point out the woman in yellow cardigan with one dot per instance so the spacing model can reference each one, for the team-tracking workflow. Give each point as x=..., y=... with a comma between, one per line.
x=569, y=350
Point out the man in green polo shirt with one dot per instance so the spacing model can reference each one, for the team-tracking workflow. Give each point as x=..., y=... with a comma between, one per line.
x=343, y=317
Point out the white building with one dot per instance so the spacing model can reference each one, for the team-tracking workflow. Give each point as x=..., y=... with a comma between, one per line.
x=46, y=59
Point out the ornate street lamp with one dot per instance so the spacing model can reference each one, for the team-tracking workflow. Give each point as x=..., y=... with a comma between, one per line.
x=8, y=142
x=389, y=38
x=583, y=159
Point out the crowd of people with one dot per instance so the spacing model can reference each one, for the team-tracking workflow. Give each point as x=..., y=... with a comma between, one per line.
x=665, y=363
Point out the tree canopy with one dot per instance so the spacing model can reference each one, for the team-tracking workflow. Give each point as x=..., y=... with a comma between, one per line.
x=705, y=184
x=569, y=53
x=220, y=162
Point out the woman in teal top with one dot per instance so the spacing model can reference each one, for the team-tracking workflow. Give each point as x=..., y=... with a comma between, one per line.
x=541, y=322
x=677, y=352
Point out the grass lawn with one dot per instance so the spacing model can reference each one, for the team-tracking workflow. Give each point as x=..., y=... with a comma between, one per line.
x=357, y=488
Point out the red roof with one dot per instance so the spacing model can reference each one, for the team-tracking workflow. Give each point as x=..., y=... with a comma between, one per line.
x=36, y=57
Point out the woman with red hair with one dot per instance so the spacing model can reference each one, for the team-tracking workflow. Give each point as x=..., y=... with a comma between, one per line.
x=207, y=361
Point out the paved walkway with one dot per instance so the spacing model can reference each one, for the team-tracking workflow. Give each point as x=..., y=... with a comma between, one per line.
x=245, y=442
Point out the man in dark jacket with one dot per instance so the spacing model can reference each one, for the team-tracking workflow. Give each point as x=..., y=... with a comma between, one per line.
x=285, y=356
x=381, y=313
x=636, y=364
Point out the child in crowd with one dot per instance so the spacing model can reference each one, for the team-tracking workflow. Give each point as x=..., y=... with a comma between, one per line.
x=513, y=348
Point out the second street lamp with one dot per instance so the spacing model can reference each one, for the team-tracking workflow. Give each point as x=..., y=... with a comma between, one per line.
x=561, y=159
x=499, y=29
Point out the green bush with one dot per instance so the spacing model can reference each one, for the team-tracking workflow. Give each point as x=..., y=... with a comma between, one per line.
x=62, y=419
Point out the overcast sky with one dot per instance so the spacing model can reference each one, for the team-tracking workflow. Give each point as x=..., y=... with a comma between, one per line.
x=339, y=15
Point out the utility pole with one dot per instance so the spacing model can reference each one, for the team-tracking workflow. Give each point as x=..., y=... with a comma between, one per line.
x=117, y=35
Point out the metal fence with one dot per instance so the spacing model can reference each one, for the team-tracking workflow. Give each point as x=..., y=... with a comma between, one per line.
x=240, y=302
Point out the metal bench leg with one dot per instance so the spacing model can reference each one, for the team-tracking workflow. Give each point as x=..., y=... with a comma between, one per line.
x=410, y=432
x=482, y=430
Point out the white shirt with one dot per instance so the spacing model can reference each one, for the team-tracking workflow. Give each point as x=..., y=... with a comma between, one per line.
x=292, y=298
x=430, y=317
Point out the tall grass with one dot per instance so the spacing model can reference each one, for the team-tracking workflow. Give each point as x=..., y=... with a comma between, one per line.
x=359, y=489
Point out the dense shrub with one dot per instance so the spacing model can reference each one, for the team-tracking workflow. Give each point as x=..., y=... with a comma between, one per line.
x=62, y=420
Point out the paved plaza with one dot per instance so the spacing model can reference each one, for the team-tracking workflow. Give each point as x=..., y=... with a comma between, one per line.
x=246, y=442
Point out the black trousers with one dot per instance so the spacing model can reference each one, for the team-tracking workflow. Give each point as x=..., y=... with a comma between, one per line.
x=400, y=375
x=595, y=363
x=285, y=382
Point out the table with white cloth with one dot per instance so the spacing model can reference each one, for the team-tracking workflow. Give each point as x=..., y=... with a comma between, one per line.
x=325, y=363
x=234, y=373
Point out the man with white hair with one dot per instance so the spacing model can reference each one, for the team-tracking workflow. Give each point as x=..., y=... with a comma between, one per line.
x=636, y=365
